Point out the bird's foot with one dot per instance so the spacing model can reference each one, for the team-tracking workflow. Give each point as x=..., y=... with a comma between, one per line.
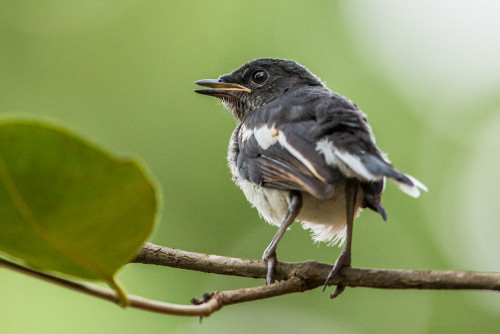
x=343, y=261
x=338, y=290
x=271, y=259
x=206, y=297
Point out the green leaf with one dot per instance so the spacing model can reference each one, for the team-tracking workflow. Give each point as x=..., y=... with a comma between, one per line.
x=67, y=206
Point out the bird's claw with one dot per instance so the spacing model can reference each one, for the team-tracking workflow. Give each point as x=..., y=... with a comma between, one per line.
x=271, y=259
x=338, y=290
x=343, y=261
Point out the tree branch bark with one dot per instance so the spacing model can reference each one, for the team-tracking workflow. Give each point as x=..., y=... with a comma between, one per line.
x=314, y=274
x=294, y=277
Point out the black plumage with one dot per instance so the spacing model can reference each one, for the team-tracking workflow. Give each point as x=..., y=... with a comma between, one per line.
x=301, y=151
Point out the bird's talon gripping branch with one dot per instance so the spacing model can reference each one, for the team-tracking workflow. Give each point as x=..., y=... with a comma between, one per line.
x=340, y=287
x=343, y=261
x=271, y=264
x=206, y=297
x=334, y=272
x=338, y=290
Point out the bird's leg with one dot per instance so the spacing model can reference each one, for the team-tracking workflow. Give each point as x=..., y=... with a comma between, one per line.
x=294, y=206
x=344, y=260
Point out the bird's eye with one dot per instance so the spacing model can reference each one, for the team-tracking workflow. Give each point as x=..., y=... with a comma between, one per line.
x=259, y=77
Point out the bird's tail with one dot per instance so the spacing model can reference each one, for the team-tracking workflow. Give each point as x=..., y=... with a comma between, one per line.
x=379, y=168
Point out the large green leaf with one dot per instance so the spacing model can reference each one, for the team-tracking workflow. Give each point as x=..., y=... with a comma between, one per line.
x=67, y=206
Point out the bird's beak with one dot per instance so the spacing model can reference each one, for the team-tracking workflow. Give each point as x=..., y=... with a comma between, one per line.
x=220, y=89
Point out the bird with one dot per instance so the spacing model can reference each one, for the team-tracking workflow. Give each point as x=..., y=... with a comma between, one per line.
x=301, y=152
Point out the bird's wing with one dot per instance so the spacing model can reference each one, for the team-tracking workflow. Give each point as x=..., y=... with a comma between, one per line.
x=299, y=144
x=344, y=138
x=272, y=166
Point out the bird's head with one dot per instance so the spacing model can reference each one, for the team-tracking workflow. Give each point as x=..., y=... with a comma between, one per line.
x=257, y=83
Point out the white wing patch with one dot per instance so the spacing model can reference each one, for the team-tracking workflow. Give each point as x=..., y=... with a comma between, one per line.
x=282, y=140
x=350, y=165
x=266, y=136
x=355, y=164
x=245, y=133
x=325, y=147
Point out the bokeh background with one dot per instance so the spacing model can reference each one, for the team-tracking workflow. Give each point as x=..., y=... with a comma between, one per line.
x=120, y=73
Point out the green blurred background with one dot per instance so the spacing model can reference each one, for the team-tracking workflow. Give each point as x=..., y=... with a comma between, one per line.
x=120, y=72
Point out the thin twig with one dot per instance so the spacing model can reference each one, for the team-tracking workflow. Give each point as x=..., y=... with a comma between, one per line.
x=204, y=309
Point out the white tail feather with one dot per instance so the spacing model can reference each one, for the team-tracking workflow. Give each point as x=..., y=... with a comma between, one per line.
x=417, y=183
x=411, y=190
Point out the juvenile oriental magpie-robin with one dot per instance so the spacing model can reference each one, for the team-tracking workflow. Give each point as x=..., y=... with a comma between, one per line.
x=302, y=152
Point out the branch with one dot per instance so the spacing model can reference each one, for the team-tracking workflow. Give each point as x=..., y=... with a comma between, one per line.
x=312, y=274
x=134, y=301
x=295, y=277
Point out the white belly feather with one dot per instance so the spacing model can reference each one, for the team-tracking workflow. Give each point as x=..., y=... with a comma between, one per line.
x=325, y=218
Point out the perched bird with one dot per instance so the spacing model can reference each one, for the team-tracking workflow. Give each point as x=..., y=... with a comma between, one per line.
x=302, y=152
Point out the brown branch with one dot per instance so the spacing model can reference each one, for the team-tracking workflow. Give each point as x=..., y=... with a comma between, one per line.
x=295, y=277
x=204, y=309
x=313, y=274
